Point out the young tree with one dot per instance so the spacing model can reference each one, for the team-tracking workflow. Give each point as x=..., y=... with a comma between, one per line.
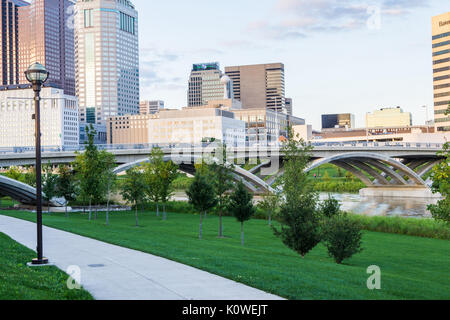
x=133, y=188
x=441, y=184
x=167, y=174
x=330, y=207
x=241, y=205
x=201, y=195
x=342, y=237
x=49, y=183
x=222, y=179
x=65, y=184
x=299, y=218
x=270, y=203
x=152, y=176
x=93, y=170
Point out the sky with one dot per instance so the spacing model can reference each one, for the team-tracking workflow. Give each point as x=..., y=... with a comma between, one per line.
x=340, y=56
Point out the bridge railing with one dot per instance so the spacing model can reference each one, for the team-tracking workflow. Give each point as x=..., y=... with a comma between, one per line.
x=149, y=146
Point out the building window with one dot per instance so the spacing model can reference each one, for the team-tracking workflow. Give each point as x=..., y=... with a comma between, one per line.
x=88, y=18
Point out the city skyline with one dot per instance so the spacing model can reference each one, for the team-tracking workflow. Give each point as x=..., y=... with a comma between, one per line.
x=399, y=49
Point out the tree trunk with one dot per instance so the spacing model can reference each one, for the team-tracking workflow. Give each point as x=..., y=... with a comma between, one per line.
x=201, y=223
x=136, y=213
x=107, y=205
x=157, y=209
x=107, y=212
x=164, y=211
x=220, y=222
x=242, y=234
x=95, y=216
x=65, y=209
x=270, y=219
x=90, y=210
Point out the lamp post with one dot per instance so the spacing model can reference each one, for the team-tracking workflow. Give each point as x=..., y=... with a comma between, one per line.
x=37, y=75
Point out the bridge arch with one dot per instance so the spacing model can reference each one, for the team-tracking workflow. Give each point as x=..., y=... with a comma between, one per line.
x=187, y=163
x=360, y=163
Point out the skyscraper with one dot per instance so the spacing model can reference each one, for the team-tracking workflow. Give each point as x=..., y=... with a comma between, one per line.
x=9, y=36
x=107, y=59
x=259, y=86
x=207, y=83
x=46, y=35
x=441, y=70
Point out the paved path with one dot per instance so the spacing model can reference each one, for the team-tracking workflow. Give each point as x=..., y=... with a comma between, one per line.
x=127, y=274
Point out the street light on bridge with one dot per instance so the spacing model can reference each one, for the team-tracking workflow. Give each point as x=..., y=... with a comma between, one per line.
x=37, y=74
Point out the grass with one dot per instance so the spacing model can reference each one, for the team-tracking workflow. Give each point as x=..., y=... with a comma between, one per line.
x=427, y=228
x=20, y=282
x=412, y=267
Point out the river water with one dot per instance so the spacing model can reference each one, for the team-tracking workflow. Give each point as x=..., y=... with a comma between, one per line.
x=371, y=206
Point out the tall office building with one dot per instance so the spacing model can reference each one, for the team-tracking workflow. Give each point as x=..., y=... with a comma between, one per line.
x=9, y=36
x=441, y=70
x=107, y=59
x=259, y=86
x=207, y=83
x=46, y=35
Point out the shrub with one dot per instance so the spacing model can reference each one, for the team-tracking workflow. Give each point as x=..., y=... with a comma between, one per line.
x=329, y=207
x=342, y=237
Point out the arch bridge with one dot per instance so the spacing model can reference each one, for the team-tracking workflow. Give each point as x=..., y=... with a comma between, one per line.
x=388, y=170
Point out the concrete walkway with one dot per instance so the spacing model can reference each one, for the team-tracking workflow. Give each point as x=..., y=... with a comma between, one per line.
x=111, y=272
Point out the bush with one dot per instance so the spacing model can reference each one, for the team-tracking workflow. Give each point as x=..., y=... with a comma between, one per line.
x=330, y=207
x=342, y=237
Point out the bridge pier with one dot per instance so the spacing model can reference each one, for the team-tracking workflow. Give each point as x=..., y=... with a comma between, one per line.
x=398, y=192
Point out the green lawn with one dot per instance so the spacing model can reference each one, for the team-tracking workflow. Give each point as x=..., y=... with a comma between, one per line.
x=20, y=282
x=412, y=267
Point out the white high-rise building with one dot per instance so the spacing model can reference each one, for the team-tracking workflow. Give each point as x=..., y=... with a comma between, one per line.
x=59, y=118
x=107, y=59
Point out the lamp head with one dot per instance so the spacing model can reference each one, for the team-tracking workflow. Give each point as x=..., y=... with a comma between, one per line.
x=37, y=74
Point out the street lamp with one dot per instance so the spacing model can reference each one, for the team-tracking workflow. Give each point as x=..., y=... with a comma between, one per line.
x=37, y=75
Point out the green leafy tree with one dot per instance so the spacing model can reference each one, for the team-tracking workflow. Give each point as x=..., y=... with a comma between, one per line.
x=270, y=203
x=330, y=207
x=241, y=206
x=441, y=184
x=133, y=188
x=299, y=217
x=152, y=171
x=65, y=185
x=342, y=237
x=167, y=174
x=30, y=176
x=221, y=173
x=93, y=170
x=14, y=173
x=49, y=184
x=202, y=197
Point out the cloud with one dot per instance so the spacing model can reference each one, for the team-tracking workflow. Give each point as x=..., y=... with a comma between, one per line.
x=153, y=75
x=299, y=18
